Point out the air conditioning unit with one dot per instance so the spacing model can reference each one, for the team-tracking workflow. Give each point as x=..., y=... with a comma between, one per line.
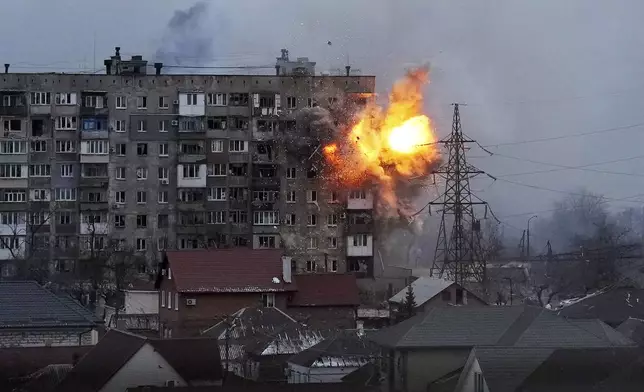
x=191, y=301
x=176, y=102
x=164, y=181
x=175, y=123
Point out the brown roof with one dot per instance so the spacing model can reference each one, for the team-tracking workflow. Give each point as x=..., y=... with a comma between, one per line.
x=193, y=359
x=326, y=290
x=227, y=270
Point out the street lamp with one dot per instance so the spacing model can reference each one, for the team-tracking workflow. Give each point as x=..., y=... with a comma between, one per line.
x=528, y=234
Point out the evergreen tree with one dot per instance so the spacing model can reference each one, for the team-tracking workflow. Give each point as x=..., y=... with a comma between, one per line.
x=410, y=303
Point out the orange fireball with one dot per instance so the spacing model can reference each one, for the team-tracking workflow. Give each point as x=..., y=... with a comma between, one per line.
x=390, y=143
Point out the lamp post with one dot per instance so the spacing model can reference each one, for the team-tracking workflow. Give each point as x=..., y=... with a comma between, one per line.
x=528, y=235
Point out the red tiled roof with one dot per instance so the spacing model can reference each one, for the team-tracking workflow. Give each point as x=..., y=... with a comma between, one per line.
x=326, y=290
x=227, y=271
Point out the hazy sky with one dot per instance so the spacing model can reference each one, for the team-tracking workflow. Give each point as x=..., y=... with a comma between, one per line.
x=527, y=69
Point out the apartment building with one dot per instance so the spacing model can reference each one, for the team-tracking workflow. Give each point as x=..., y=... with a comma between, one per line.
x=154, y=161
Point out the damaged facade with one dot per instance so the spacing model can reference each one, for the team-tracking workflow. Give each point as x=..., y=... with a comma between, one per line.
x=159, y=162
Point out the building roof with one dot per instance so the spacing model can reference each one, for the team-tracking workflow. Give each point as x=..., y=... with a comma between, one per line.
x=633, y=329
x=26, y=304
x=522, y=326
x=344, y=349
x=505, y=368
x=237, y=270
x=425, y=288
x=265, y=387
x=326, y=290
x=192, y=358
x=589, y=369
x=613, y=306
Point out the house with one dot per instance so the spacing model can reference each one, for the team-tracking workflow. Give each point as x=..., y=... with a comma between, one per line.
x=32, y=316
x=372, y=317
x=199, y=286
x=435, y=346
x=431, y=292
x=141, y=297
x=123, y=360
x=21, y=366
x=332, y=359
x=257, y=342
x=588, y=369
x=325, y=300
x=613, y=306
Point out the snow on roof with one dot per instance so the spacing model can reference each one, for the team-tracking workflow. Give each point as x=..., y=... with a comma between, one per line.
x=424, y=288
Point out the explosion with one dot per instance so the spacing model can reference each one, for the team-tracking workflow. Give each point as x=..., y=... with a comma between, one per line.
x=387, y=145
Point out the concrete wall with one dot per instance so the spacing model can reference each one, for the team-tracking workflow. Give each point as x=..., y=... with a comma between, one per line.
x=303, y=375
x=141, y=302
x=47, y=337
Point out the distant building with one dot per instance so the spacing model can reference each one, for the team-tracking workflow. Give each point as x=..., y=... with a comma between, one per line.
x=432, y=292
x=32, y=316
x=613, y=306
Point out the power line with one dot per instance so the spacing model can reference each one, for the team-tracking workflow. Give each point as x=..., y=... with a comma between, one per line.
x=572, y=135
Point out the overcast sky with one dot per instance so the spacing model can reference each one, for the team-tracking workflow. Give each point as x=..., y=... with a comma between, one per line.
x=527, y=69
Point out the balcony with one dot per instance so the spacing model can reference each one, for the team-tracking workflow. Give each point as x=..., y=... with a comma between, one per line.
x=94, y=104
x=13, y=104
x=266, y=112
x=94, y=182
x=359, y=228
x=93, y=111
x=266, y=181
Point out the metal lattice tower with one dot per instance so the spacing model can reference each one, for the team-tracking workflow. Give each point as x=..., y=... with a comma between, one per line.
x=458, y=257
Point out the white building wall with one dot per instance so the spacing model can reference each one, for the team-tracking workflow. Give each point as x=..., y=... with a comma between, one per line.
x=360, y=250
x=468, y=385
x=141, y=302
x=146, y=367
x=192, y=110
x=360, y=204
x=199, y=182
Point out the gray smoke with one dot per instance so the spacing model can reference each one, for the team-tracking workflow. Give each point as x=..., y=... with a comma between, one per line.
x=186, y=40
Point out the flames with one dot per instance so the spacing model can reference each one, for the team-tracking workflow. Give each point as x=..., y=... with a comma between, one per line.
x=387, y=144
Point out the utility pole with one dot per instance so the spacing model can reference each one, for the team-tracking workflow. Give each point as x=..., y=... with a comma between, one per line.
x=522, y=245
x=458, y=256
x=528, y=235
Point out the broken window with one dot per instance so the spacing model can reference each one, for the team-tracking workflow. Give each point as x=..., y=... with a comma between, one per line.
x=238, y=99
x=37, y=127
x=239, y=123
x=239, y=241
x=191, y=148
x=12, y=125
x=238, y=169
x=238, y=194
x=267, y=125
x=218, y=123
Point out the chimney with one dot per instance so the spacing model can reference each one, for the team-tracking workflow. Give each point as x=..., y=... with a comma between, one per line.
x=277, y=70
x=286, y=269
x=6, y=68
x=348, y=68
x=108, y=66
x=118, y=51
x=158, y=67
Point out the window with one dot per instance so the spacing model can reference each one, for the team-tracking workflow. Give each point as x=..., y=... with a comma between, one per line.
x=290, y=173
x=121, y=149
x=266, y=241
x=12, y=218
x=141, y=221
x=119, y=221
x=12, y=171
x=65, y=146
x=176, y=307
x=141, y=149
x=332, y=220
x=289, y=219
x=334, y=197
x=40, y=98
x=357, y=195
x=141, y=244
x=238, y=99
x=94, y=101
x=66, y=123
x=121, y=102
x=216, y=194
x=312, y=243
x=268, y=300
x=360, y=240
x=191, y=99
x=312, y=220
x=120, y=197
x=169, y=300
x=311, y=196
x=216, y=218
x=332, y=242
x=95, y=147
x=39, y=146
x=265, y=218
x=163, y=221
x=120, y=173
x=163, y=150
x=8, y=242
x=40, y=194
x=67, y=170
x=479, y=382
x=162, y=243
x=65, y=194
x=65, y=98
x=163, y=126
x=40, y=170
x=14, y=196
x=311, y=266
x=217, y=170
x=216, y=123
x=162, y=298
x=119, y=126
x=163, y=173
x=290, y=197
x=12, y=147
x=190, y=171
x=164, y=102
x=142, y=102
x=237, y=146
x=90, y=124
x=291, y=102
x=141, y=197
x=217, y=145
x=141, y=173
x=217, y=99
x=162, y=197
x=12, y=125
x=239, y=123
x=141, y=126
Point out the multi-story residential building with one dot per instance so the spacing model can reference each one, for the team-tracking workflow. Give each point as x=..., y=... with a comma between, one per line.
x=156, y=161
